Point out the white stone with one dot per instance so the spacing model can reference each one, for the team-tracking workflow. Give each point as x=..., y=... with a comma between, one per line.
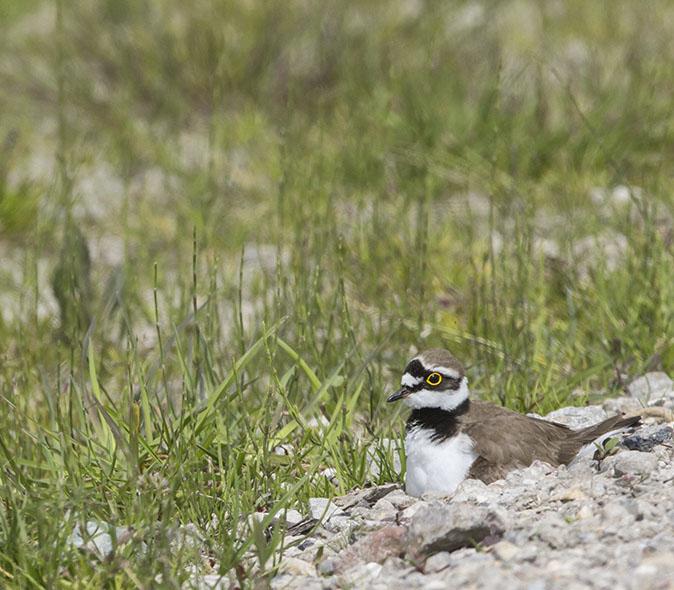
x=209, y=582
x=256, y=518
x=584, y=512
x=633, y=462
x=323, y=508
x=400, y=499
x=293, y=517
x=652, y=386
x=438, y=562
x=297, y=567
x=410, y=511
x=505, y=551
x=474, y=490
x=578, y=417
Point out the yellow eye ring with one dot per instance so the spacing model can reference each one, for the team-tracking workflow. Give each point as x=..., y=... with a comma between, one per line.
x=434, y=379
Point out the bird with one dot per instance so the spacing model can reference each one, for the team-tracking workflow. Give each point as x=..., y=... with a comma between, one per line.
x=450, y=438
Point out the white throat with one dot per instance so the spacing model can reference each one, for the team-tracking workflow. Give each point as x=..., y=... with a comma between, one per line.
x=445, y=400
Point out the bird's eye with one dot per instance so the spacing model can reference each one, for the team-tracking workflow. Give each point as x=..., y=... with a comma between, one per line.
x=434, y=379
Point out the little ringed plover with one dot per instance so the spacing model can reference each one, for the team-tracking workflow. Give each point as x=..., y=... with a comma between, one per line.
x=450, y=438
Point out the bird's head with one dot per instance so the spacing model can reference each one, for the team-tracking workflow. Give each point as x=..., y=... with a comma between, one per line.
x=433, y=379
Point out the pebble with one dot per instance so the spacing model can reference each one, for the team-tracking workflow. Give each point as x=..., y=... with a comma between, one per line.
x=633, y=463
x=569, y=495
x=505, y=551
x=374, y=547
x=448, y=527
x=435, y=495
x=584, y=512
x=293, y=516
x=474, y=490
x=652, y=386
x=648, y=438
x=575, y=417
x=297, y=567
x=384, y=509
x=410, y=511
x=400, y=499
x=438, y=562
x=101, y=537
x=327, y=567
x=323, y=508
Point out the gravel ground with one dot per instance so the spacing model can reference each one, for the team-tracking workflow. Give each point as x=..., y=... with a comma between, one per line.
x=605, y=523
x=601, y=522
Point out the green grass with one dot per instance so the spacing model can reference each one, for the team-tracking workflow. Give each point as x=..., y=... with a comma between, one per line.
x=227, y=226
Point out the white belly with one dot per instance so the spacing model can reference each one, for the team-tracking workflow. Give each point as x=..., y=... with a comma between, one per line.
x=436, y=465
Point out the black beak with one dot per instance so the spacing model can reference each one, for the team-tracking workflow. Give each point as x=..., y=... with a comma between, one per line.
x=400, y=394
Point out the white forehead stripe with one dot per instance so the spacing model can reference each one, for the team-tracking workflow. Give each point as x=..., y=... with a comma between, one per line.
x=409, y=380
x=444, y=370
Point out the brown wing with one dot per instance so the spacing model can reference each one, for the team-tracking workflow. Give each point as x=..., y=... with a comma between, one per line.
x=505, y=440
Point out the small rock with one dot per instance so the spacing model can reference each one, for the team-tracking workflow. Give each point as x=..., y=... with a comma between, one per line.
x=438, y=562
x=323, y=508
x=474, y=490
x=366, y=497
x=411, y=510
x=384, y=508
x=569, y=495
x=646, y=438
x=297, y=567
x=302, y=527
x=631, y=462
x=619, y=405
x=584, y=512
x=583, y=466
x=286, y=581
x=400, y=499
x=378, y=492
x=209, y=582
x=617, y=515
x=659, y=565
x=435, y=495
x=340, y=523
x=448, y=527
x=528, y=552
x=505, y=551
x=327, y=566
x=552, y=529
x=284, y=449
x=98, y=537
x=373, y=548
x=646, y=573
x=373, y=568
x=651, y=386
x=330, y=473
x=186, y=536
x=256, y=518
x=536, y=471
x=360, y=577
x=396, y=567
x=577, y=417
x=353, y=498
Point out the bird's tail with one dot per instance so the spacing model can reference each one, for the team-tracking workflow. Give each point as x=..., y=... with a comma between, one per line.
x=612, y=425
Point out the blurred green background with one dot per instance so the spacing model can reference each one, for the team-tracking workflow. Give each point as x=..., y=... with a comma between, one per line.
x=356, y=179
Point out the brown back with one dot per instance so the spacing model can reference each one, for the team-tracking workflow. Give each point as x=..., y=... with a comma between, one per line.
x=506, y=440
